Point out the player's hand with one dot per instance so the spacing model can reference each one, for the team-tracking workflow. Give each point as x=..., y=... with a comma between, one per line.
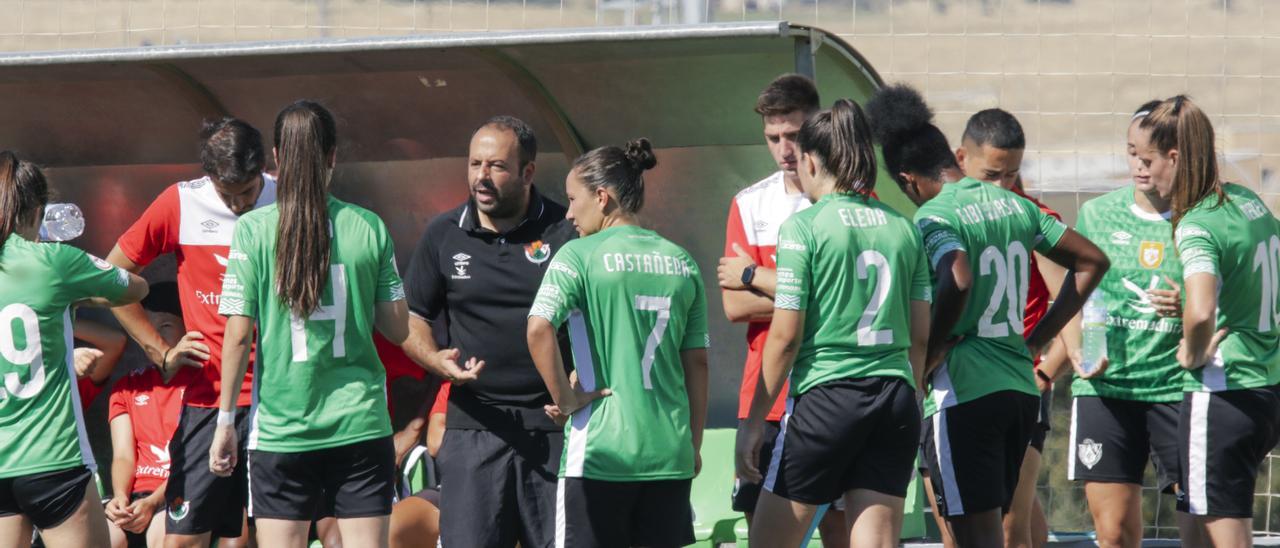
x=747, y=448
x=1077, y=363
x=1168, y=302
x=404, y=440
x=141, y=512
x=573, y=401
x=117, y=510
x=85, y=359
x=189, y=352
x=1187, y=361
x=730, y=269
x=222, y=452
x=447, y=361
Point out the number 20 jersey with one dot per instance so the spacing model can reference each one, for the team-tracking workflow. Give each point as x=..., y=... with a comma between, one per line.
x=998, y=230
x=633, y=301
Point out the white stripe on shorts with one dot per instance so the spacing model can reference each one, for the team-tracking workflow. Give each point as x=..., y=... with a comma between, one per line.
x=942, y=445
x=560, y=517
x=1072, y=441
x=775, y=460
x=1198, y=455
x=248, y=476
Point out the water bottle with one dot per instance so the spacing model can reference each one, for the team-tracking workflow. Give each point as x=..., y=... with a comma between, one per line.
x=1094, y=330
x=62, y=222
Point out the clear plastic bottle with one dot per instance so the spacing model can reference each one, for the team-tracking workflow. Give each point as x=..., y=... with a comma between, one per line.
x=1093, y=347
x=62, y=222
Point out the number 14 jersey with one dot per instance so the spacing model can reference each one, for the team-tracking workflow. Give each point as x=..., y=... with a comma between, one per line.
x=998, y=230
x=633, y=301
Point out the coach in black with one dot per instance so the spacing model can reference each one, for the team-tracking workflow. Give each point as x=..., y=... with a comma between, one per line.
x=478, y=268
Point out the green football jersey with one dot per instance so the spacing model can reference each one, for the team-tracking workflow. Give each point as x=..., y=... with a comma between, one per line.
x=633, y=301
x=998, y=230
x=1239, y=243
x=1142, y=346
x=853, y=266
x=41, y=423
x=318, y=382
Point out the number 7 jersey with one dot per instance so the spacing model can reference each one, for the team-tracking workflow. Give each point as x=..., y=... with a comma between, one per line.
x=998, y=230
x=633, y=301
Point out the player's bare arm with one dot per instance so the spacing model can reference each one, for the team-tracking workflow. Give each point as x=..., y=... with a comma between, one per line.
x=565, y=397
x=696, y=385
x=920, y=312
x=135, y=322
x=950, y=294
x=1199, y=321
x=235, y=362
x=110, y=345
x=122, y=469
x=421, y=347
x=1086, y=264
x=779, y=356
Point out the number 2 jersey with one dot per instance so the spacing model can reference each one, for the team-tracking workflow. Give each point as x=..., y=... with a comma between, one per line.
x=633, y=301
x=319, y=382
x=853, y=265
x=998, y=230
x=41, y=425
x=1238, y=241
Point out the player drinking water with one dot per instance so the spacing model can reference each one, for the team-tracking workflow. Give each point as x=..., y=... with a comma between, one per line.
x=1125, y=411
x=983, y=400
x=45, y=460
x=851, y=314
x=316, y=275
x=1229, y=243
x=637, y=315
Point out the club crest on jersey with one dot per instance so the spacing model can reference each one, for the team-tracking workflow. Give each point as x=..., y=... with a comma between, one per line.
x=1150, y=254
x=1090, y=453
x=537, y=252
x=179, y=509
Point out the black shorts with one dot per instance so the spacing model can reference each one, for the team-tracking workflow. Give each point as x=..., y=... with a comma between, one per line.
x=500, y=487
x=356, y=480
x=621, y=514
x=47, y=498
x=975, y=451
x=746, y=493
x=843, y=435
x=1222, y=438
x=198, y=501
x=1112, y=439
x=1043, y=422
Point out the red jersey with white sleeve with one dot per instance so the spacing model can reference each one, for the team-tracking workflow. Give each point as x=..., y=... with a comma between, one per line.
x=1037, y=290
x=153, y=408
x=756, y=214
x=189, y=220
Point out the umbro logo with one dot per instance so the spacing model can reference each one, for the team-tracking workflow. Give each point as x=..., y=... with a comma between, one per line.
x=460, y=263
x=141, y=400
x=761, y=225
x=461, y=258
x=210, y=225
x=1121, y=237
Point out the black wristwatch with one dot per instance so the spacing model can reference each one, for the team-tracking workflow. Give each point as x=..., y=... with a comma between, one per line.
x=749, y=274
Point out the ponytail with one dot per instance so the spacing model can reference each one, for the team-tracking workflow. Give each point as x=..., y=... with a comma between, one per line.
x=23, y=192
x=1178, y=124
x=305, y=139
x=841, y=138
x=619, y=170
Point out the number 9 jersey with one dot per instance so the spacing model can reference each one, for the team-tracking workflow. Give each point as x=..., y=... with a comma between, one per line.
x=998, y=230
x=633, y=301
x=41, y=426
